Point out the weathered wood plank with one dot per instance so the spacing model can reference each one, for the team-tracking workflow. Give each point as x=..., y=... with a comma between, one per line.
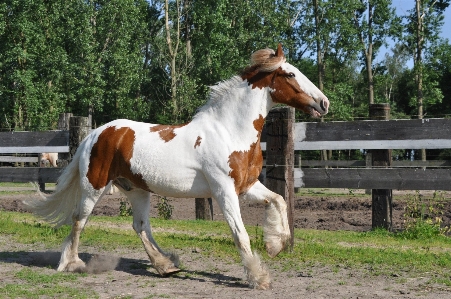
x=375, y=178
x=373, y=144
x=12, y=159
x=361, y=163
x=407, y=129
x=33, y=139
x=33, y=149
x=29, y=174
x=390, y=134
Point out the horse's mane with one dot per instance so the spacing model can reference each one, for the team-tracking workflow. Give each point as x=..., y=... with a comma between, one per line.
x=263, y=60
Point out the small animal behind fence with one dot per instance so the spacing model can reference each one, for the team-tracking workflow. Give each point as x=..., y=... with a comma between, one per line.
x=217, y=155
x=48, y=158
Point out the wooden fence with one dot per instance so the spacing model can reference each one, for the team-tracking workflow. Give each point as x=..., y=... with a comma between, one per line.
x=64, y=142
x=282, y=138
x=371, y=135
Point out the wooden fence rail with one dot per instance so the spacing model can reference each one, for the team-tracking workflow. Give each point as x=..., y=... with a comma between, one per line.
x=368, y=135
x=436, y=133
x=391, y=134
x=379, y=137
x=63, y=141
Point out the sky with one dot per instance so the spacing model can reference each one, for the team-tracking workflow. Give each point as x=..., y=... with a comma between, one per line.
x=402, y=6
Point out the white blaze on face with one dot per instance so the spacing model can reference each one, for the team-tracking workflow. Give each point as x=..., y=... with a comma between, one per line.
x=306, y=85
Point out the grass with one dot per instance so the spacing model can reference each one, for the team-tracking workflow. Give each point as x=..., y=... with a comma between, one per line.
x=11, y=184
x=19, y=185
x=377, y=252
x=29, y=283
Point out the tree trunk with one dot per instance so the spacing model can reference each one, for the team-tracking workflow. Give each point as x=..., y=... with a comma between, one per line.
x=320, y=63
x=369, y=56
x=173, y=49
x=419, y=67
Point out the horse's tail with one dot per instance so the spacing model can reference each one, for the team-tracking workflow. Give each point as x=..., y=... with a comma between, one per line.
x=58, y=207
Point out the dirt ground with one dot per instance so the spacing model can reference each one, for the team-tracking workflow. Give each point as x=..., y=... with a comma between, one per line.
x=124, y=274
x=328, y=209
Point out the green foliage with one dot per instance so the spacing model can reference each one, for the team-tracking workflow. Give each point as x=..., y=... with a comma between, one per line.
x=164, y=208
x=125, y=209
x=111, y=58
x=423, y=217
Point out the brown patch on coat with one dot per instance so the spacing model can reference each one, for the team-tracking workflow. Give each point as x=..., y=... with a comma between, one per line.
x=259, y=123
x=258, y=79
x=166, y=131
x=246, y=166
x=198, y=140
x=110, y=158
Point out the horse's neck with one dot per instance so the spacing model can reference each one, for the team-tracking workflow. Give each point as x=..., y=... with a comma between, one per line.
x=240, y=108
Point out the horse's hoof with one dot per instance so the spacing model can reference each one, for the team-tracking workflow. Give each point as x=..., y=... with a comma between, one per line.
x=172, y=270
x=77, y=267
x=264, y=286
x=273, y=249
x=169, y=271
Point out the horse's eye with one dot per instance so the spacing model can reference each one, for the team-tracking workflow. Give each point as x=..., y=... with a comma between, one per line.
x=291, y=75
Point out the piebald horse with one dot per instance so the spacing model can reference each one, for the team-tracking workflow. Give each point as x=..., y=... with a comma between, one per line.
x=216, y=155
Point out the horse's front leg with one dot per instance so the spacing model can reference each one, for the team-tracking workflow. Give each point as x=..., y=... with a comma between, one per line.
x=256, y=272
x=276, y=229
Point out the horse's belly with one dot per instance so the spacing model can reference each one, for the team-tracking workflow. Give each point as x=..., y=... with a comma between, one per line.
x=187, y=183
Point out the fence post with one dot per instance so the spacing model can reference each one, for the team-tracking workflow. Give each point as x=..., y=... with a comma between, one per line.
x=381, y=198
x=280, y=158
x=79, y=128
x=63, y=125
x=204, y=208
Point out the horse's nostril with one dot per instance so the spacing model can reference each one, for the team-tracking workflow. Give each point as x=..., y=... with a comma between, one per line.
x=321, y=104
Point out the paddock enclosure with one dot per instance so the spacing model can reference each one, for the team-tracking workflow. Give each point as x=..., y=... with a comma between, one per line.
x=386, y=134
x=281, y=139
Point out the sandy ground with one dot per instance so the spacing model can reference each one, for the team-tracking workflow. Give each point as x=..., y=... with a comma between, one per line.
x=123, y=274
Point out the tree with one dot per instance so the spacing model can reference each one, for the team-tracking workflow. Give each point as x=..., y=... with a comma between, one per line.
x=390, y=73
x=424, y=22
x=225, y=33
x=374, y=21
x=438, y=62
x=37, y=66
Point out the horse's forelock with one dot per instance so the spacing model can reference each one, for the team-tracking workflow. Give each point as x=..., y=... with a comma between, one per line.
x=265, y=60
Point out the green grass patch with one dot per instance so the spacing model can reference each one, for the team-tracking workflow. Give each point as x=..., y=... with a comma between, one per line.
x=31, y=283
x=377, y=252
x=11, y=184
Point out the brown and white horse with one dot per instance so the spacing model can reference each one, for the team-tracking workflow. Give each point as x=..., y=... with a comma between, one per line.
x=216, y=155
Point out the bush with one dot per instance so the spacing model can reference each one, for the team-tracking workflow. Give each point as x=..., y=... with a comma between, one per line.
x=164, y=208
x=124, y=209
x=423, y=217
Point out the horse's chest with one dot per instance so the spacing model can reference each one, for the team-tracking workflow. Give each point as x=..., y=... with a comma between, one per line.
x=246, y=167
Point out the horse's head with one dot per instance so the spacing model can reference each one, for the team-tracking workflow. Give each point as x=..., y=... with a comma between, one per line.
x=286, y=83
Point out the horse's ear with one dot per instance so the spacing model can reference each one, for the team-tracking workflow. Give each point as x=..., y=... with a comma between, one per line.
x=279, y=52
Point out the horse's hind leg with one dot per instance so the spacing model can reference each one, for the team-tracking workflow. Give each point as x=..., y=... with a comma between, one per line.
x=69, y=256
x=164, y=263
x=275, y=228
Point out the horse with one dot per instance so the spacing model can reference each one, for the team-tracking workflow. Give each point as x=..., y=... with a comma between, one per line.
x=217, y=154
x=50, y=157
